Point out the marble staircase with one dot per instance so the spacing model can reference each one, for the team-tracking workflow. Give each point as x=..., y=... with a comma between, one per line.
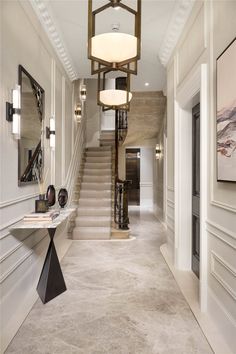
x=94, y=210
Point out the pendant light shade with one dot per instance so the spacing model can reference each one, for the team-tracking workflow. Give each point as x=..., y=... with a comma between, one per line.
x=115, y=98
x=118, y=97
x=114, y=47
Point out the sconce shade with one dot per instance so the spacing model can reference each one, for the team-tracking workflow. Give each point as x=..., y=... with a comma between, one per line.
x=158, y=151
x=115, y=98
x=13, y=111
x=83, y=92
x=52, y=132
x=114, y=47
x=78, y=113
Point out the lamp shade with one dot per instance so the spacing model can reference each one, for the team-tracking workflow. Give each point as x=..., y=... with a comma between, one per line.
x=52, y=132
x=114, y=47
x=16, y=105
x=114, y=97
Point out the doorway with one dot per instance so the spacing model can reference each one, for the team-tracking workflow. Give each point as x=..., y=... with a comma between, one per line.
x=196, y=189
x=133, y=174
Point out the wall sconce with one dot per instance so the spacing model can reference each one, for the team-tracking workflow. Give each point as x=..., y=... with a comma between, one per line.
x=78, y=112
x=13, y=111
x=158, y=152
x=83, y=92
x=50, y=132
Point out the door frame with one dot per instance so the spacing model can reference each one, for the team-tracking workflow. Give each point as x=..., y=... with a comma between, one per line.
x=193, y=84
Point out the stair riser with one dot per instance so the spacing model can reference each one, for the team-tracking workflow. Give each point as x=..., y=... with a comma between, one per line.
x=95, y=223
x=98, y=166
x=98, y=159
x=98, y=236
x=95, y=203
x=98, y=154
x=107, y=135
x=98, y=149
x=91, y=233
x=96, y=179
x=107, y=143
x=96, y=172
x=95, y=194
x=81, y=211
x=95, y=186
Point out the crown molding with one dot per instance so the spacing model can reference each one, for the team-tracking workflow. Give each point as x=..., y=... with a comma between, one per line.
x=174, y=29
x=52, y=32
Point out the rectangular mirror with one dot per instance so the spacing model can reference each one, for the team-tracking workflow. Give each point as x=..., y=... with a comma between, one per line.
x=30, y=150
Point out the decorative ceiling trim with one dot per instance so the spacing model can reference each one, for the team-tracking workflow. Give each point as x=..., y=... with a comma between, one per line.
x=49, y=26
x=174, y=30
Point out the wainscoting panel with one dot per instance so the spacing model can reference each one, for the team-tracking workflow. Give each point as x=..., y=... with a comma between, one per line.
x=222, y=278
x=224, y=273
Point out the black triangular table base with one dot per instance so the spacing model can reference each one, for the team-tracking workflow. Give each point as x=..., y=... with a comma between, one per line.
x=51, y=282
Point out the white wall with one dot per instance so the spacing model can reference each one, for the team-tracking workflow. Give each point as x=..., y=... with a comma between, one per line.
x=208, y=32
x=108, y=117
x=159, y=176
x=93, y=113
x=146, y=177
x=23, y=41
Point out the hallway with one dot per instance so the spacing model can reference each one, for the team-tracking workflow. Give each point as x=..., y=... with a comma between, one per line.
x=121, y=299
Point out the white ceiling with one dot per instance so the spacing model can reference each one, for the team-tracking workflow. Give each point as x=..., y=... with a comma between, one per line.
x=66, y=24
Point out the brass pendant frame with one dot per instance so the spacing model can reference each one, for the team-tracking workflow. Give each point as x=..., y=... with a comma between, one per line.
x=98, y=65
x=102, y=86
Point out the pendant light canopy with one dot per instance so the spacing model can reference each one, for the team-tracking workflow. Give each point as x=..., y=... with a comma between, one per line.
x=114, y=51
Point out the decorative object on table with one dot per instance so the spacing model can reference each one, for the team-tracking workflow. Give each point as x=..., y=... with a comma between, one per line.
x=48, y=216
x=62, y=197
x=51, y=195
x=226, y=114
x=41, y=204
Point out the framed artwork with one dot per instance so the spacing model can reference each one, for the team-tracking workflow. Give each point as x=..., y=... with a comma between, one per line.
x=226, y=114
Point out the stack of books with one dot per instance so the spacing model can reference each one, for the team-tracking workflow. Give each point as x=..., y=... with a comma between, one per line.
x=48, y=216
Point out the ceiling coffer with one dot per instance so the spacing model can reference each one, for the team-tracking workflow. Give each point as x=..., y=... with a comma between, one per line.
x=114, y=50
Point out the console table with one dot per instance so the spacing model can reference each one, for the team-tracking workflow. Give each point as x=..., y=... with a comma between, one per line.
x=51, y=282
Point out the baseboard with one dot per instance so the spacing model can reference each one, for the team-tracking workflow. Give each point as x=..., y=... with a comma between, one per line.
x=188, y=284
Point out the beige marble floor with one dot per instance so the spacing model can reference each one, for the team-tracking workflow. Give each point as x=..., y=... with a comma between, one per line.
x=121, y=299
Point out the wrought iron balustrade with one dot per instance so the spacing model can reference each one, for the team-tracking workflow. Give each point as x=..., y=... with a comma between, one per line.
x=121, y=204
x=122, y=125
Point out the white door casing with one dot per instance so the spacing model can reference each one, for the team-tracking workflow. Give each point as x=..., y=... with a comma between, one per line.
x=196, y=82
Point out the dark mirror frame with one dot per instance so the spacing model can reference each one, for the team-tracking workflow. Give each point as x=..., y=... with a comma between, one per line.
x=41, y=108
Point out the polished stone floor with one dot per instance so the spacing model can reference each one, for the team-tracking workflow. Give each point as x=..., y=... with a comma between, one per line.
x=121, y=299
